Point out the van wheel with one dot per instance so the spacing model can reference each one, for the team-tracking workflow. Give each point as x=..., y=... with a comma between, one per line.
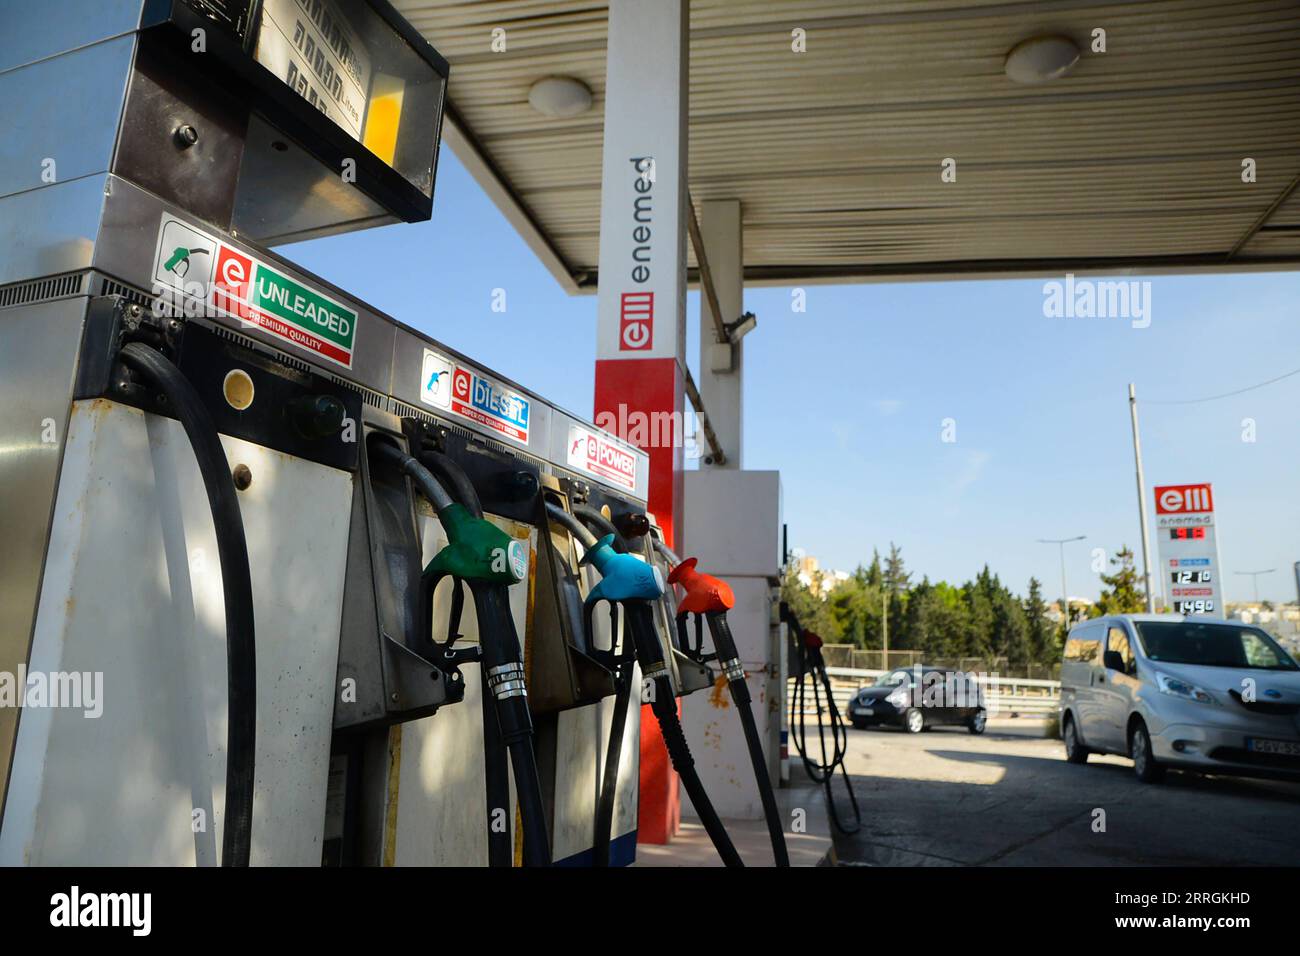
x=1075, y=751
x=914, y=720
x=976, y=724
x=1144, y=761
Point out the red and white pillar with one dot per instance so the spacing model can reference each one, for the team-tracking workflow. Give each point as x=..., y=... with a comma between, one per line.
x=641, y=317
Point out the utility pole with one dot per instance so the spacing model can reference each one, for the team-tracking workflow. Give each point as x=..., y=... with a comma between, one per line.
x=1142, y=500
x=1254, y=579
x=1065, y=594
x=884, y=623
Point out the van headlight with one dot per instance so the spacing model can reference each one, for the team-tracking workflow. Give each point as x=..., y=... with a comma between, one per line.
x=1175, y=687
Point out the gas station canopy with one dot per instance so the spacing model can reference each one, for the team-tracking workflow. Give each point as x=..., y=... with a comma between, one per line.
x=1132, y=161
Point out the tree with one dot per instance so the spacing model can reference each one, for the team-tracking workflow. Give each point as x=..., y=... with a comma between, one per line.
x=810, y=609
x=982, y=618
x=1121, y=594
x=873, y=575
x=897, y=579
x=1042, y=647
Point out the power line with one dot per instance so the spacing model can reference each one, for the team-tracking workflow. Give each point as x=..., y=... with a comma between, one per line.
x=1213, y=398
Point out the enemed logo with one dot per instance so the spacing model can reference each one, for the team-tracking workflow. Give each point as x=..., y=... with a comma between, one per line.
x=1183, y=499
x=636, y=321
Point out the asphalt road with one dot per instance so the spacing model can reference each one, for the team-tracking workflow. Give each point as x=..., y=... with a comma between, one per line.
x=947, y=798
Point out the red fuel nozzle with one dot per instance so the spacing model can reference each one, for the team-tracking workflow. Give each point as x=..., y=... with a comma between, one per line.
x=705, y=594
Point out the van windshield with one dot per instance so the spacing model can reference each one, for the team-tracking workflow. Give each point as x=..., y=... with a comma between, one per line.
x=1212, y=645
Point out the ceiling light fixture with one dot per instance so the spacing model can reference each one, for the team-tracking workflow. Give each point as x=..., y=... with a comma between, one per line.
x=1041, y=59
x=560, y=97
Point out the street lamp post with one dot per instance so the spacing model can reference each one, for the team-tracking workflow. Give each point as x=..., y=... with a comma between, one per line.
x=1065, y=594
x=1254, y=579
x=1142, y=502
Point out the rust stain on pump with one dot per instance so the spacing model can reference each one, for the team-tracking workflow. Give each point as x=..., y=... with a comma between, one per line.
x=718, y=697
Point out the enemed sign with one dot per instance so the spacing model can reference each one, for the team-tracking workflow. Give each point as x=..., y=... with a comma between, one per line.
x=1188, y=549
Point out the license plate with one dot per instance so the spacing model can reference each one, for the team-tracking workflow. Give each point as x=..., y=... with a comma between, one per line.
x=867, y=712
x=1289, y=748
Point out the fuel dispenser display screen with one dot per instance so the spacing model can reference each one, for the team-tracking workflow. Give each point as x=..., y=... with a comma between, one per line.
x=354, y=68
x=332, y=75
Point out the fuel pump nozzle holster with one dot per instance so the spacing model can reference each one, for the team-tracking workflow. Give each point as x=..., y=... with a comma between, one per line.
x=708, y=598
x=485, y=559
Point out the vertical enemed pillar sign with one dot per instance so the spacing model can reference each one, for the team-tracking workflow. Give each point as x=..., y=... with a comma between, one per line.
x=641, y=324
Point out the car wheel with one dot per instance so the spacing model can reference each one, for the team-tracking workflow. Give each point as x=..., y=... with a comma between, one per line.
x=976, y=724
x=914, y=720
x=1146, y=767
x=1075, y=751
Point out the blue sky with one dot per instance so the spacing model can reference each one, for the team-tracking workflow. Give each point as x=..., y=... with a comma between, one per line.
x=847, y=399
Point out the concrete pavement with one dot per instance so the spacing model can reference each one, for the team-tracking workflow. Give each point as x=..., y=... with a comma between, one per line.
x=812, y=847
x=948, y=798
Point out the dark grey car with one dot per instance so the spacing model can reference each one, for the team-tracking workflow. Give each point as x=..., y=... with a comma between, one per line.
x=916, y=698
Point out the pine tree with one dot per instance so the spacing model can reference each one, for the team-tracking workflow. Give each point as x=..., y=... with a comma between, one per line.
x=897, y=578
x=1041, y=645
x=1121, y=594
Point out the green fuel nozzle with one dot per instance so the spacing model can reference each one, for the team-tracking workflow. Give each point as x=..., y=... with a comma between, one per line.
x=477, y=550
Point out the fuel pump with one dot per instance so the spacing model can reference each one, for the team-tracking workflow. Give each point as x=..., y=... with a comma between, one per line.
x=153, y=267
x=709, y=598
x=806, y=661
x=633, y=586
x=486, y=560
x=232, y=552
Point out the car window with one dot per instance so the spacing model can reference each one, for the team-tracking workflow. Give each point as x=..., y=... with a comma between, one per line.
x=1117, y=641
x=1083, y=646
x=1211, y=644
x=1258, y=652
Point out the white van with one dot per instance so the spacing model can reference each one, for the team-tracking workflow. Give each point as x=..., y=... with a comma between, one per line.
x=1194, y=693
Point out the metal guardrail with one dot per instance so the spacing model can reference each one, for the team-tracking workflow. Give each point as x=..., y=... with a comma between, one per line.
x=1003, y=696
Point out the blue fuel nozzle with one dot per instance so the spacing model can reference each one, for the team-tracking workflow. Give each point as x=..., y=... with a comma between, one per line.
x=623, y=577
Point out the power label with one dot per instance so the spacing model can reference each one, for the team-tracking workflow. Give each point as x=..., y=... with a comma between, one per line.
x=462, y=391
x=601, y=458
x=192, y=267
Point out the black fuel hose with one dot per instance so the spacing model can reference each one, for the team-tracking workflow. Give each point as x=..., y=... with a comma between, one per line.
x=618, y=721
x=604, y=831
x=502, y=663
x=505, y=681
x=429, y=486
x=452, y=476
x=571, y=525
x=806, y=661
x=729, y=657
x=667, y=553
x=594, y=519
x=663, y=704
x=237, y=592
